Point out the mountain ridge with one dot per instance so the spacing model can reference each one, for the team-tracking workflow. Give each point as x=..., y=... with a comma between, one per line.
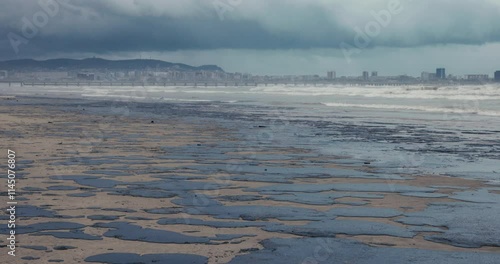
x=100, y=64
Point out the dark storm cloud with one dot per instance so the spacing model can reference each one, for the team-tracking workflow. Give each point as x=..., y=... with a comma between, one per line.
x=107, y=26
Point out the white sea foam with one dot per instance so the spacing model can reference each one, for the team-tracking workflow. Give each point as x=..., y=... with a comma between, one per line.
x=460, y=93
x=484, y=92
x=185, y=100
x=448, y=110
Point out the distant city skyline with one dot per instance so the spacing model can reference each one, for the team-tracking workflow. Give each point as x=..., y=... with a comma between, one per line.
x=331, y=73
x=156, y=72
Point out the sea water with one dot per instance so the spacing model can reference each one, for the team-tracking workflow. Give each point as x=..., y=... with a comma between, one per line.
x=429, y=129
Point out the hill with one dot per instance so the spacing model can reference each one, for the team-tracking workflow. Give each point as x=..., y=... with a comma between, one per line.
x=99, y=64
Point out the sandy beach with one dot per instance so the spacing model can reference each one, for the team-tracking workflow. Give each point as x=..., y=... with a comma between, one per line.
x=99, y=180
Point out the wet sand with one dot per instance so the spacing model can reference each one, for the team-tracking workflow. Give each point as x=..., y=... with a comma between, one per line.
x=82, y=165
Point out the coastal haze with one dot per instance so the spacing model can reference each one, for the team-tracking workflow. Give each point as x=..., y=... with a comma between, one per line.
x=251, y=131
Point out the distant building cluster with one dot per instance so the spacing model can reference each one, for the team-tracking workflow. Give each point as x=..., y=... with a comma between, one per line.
x=425, y=77
x=126, y=76
x=176, y=75
x=477, y=77
x=441, y=75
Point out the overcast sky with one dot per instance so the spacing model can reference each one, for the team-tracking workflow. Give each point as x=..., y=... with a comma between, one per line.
x=263, y=36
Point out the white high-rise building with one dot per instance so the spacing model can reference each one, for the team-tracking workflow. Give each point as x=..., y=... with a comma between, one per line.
x=4, y=74
x=331, y=75
x=366, y=75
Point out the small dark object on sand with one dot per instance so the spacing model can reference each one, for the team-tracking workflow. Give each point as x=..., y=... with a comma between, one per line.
x=248, y=250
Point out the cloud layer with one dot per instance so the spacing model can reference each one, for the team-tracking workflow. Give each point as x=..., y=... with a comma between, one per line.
x=107, y=26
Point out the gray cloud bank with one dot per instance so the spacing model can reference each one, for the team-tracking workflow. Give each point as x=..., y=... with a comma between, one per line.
x=37, y=28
